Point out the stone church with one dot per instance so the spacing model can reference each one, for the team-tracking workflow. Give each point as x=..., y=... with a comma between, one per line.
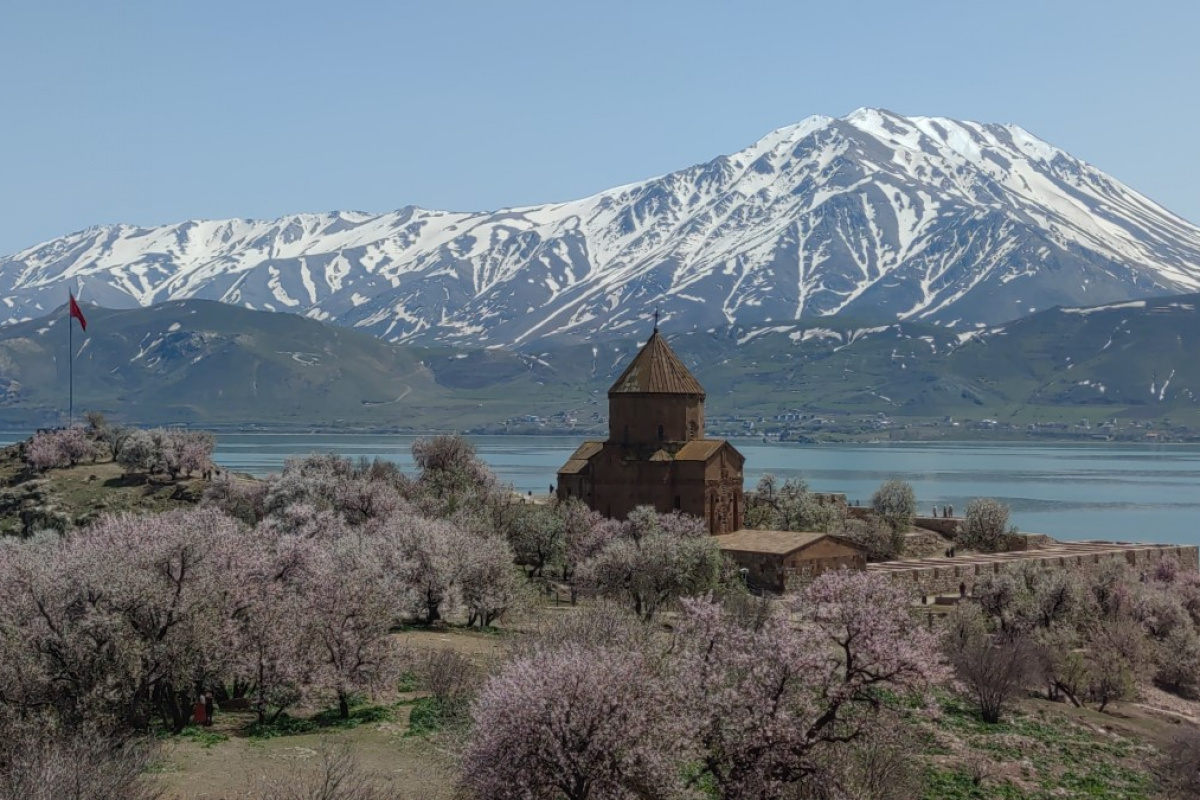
x=656, y=453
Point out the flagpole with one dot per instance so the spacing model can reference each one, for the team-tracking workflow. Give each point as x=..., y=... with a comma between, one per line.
x=71, y=367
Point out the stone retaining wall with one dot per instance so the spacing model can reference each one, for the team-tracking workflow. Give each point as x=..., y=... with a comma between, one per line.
x=946, y=526
x=923, y=543
x=936, y=576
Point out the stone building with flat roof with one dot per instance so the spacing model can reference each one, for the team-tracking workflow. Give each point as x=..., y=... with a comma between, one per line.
x=656, y=453
x=781, y=560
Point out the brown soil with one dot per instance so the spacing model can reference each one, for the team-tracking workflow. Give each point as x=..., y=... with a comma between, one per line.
x=240, y=768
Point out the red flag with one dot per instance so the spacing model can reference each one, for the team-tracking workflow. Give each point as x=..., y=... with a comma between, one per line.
x=77, y=314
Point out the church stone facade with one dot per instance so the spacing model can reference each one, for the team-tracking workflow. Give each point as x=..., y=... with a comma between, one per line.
x=656, y=453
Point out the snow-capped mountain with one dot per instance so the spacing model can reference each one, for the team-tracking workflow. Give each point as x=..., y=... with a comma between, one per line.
x=873, y=216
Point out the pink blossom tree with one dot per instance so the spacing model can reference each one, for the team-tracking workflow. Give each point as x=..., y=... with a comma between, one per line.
x=452, y=477
x=361, y=499
x=192, y=451
x=656, y=560
x=766, y=703
x=491, y=586
x=429, y=556
x=121, y=618
x=536, y=536
x=312, y=480
x=39, y=761
x=585, y=534
x=274, y=657
x=65, y=447
x=351, y=604
x=577, y=723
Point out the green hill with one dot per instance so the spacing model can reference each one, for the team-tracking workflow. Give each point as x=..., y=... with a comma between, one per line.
x=205, y=362
x=210, y=363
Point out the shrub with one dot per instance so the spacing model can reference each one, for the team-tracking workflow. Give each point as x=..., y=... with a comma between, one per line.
x=880, y=540
x=1177, y=661
x=790, y=507
x=1179, y=769
x=995, y=671
x=40, y=761
x=896, y=503
x=985, y=526
x=137, y=452
x=334, y=775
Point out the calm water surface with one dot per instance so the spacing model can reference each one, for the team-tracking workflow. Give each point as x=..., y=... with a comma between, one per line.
x=1130, y=492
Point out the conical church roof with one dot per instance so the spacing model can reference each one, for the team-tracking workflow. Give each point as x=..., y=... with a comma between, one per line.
x=656, y=370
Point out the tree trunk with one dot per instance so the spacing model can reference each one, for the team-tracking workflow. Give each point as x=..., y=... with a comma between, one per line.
x=343, y=705
x=260, y=703
x=175, y=707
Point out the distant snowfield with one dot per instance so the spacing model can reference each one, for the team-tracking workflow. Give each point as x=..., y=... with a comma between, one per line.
x=1111, y=306
x=872, y=216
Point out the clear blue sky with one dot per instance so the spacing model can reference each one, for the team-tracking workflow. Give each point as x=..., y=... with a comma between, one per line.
x=152, y=111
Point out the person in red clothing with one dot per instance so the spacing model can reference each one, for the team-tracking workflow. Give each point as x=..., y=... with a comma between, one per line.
x=200, y=712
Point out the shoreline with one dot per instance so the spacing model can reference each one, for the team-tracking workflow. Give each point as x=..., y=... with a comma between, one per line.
x=14, y=434
x=11, y=435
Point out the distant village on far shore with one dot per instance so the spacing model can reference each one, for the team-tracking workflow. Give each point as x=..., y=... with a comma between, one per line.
x=796, y=425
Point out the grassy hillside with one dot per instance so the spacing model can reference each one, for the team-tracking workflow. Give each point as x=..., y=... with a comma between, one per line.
x=206, y=362
x=61, y=499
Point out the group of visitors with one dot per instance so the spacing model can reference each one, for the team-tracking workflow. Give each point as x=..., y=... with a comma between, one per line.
x=947, y=512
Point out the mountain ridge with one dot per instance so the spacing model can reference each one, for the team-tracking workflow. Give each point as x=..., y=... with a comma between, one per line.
x=871, y=215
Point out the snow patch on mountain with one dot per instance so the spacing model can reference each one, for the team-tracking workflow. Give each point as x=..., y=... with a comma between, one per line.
x=874, y=216
x=1109, y=307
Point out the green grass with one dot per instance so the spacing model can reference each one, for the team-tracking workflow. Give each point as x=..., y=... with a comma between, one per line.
x=202, y=736
x=408, y=682
x=329, y=719
x=1056, y=757
x=426, y=717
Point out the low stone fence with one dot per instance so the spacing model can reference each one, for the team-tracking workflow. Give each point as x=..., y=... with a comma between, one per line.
x=958, y=575
x=946, y=526
x=1015, y=542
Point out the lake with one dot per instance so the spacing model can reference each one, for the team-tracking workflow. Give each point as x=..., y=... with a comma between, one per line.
x=1087, y=491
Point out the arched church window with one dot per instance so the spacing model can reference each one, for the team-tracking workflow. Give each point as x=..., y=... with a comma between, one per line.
x=691, y=430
